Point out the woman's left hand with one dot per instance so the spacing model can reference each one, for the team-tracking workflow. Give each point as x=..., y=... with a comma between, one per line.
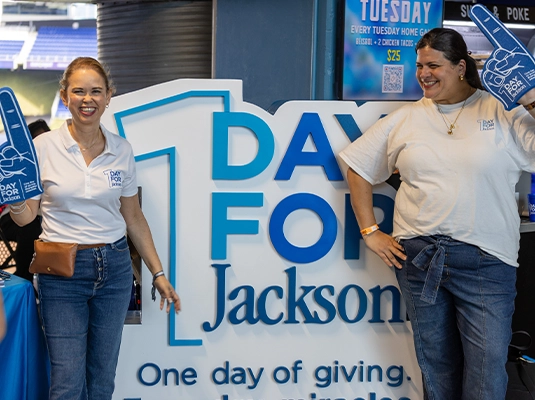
x=167, y=292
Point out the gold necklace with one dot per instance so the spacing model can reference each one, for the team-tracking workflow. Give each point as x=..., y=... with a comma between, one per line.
x=451, y=126
x=89, y=148
x=92, y=144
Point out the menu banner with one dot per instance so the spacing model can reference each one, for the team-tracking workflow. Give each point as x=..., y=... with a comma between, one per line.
x=505, y=13
x=379, y=61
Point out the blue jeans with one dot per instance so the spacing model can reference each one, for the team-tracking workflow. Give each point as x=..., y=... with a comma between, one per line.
x=83, y=319
x=460, y=301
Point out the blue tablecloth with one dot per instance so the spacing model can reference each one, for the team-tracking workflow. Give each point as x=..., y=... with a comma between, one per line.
x=24, y=363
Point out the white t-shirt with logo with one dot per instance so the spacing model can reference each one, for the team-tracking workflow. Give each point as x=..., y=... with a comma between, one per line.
x=460, y=185
x=79, y=203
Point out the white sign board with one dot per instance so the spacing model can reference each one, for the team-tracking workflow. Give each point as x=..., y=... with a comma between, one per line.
x=250, y=215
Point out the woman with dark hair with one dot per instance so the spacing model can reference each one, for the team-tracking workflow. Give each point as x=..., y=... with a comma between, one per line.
x=456, y=224
x=38, y=127
x=89, y=197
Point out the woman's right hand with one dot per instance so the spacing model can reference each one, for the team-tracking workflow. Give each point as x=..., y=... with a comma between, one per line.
x=167, y=293
x=386, y=247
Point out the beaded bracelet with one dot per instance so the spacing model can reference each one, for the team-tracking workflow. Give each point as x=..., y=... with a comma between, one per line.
x=153, y=290
x=19, y=206
x=16, y=210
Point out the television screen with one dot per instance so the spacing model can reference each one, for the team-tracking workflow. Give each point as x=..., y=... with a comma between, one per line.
x=379, y=36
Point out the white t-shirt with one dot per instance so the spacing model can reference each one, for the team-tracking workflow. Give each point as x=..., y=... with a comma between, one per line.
x=79, y=203
x=460, y=185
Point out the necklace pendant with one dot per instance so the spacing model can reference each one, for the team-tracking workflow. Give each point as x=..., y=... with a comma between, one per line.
x=450, y=131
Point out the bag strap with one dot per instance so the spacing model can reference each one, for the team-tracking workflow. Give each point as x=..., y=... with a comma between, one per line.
x=521, y=347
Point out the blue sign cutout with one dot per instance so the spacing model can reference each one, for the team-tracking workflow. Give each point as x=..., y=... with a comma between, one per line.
x=509, y=72
x=19, y=170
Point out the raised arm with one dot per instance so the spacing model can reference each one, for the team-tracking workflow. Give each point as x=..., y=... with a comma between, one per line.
x=362, y=203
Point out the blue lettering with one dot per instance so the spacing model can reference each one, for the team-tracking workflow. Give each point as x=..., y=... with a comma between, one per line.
x=325, y=304
x=239, y=376
x=247, y=305
x=376, y=292
x=294, y=303
x=323, y=297
x=286, y=207
x=310, y=125
x=222, y=226
x=395, y=374
x=156, y=369
x=328, y=374
x=342, y=301
x=262, y=309
x=188, y=376
x=281, y=378
x=221, y=169
x=350, y=127
x=220, y=297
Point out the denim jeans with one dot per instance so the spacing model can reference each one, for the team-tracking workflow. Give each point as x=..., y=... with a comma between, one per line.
x=83, y=319
x=460, y=301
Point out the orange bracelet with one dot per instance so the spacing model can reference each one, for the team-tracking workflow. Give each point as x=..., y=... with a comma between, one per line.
x=371, y=229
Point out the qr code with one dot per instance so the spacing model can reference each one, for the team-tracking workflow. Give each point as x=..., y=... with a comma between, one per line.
x=392, y=78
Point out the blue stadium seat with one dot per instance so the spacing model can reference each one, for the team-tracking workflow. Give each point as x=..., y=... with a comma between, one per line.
x=55, y=46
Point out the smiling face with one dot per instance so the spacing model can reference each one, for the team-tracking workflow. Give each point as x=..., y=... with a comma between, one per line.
x=86, y=96
x=439, y=78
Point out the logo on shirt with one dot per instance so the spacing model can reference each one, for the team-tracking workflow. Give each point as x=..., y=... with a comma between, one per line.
x=115, y=178
x=486, y=124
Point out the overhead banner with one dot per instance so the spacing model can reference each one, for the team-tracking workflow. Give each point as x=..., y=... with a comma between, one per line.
x=460, y=11
x=379, y=60
x=251, y=216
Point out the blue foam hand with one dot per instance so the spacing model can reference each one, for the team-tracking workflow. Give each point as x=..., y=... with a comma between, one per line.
x=509, y=72
x=19, y=170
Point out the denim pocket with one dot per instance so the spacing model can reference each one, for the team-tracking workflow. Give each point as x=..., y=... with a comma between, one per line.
x=120, y=245
x=412, y=247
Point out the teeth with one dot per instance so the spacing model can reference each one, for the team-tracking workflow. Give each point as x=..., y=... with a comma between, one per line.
x=88, y=109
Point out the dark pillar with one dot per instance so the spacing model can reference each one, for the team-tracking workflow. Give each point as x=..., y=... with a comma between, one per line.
x=149, y=42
